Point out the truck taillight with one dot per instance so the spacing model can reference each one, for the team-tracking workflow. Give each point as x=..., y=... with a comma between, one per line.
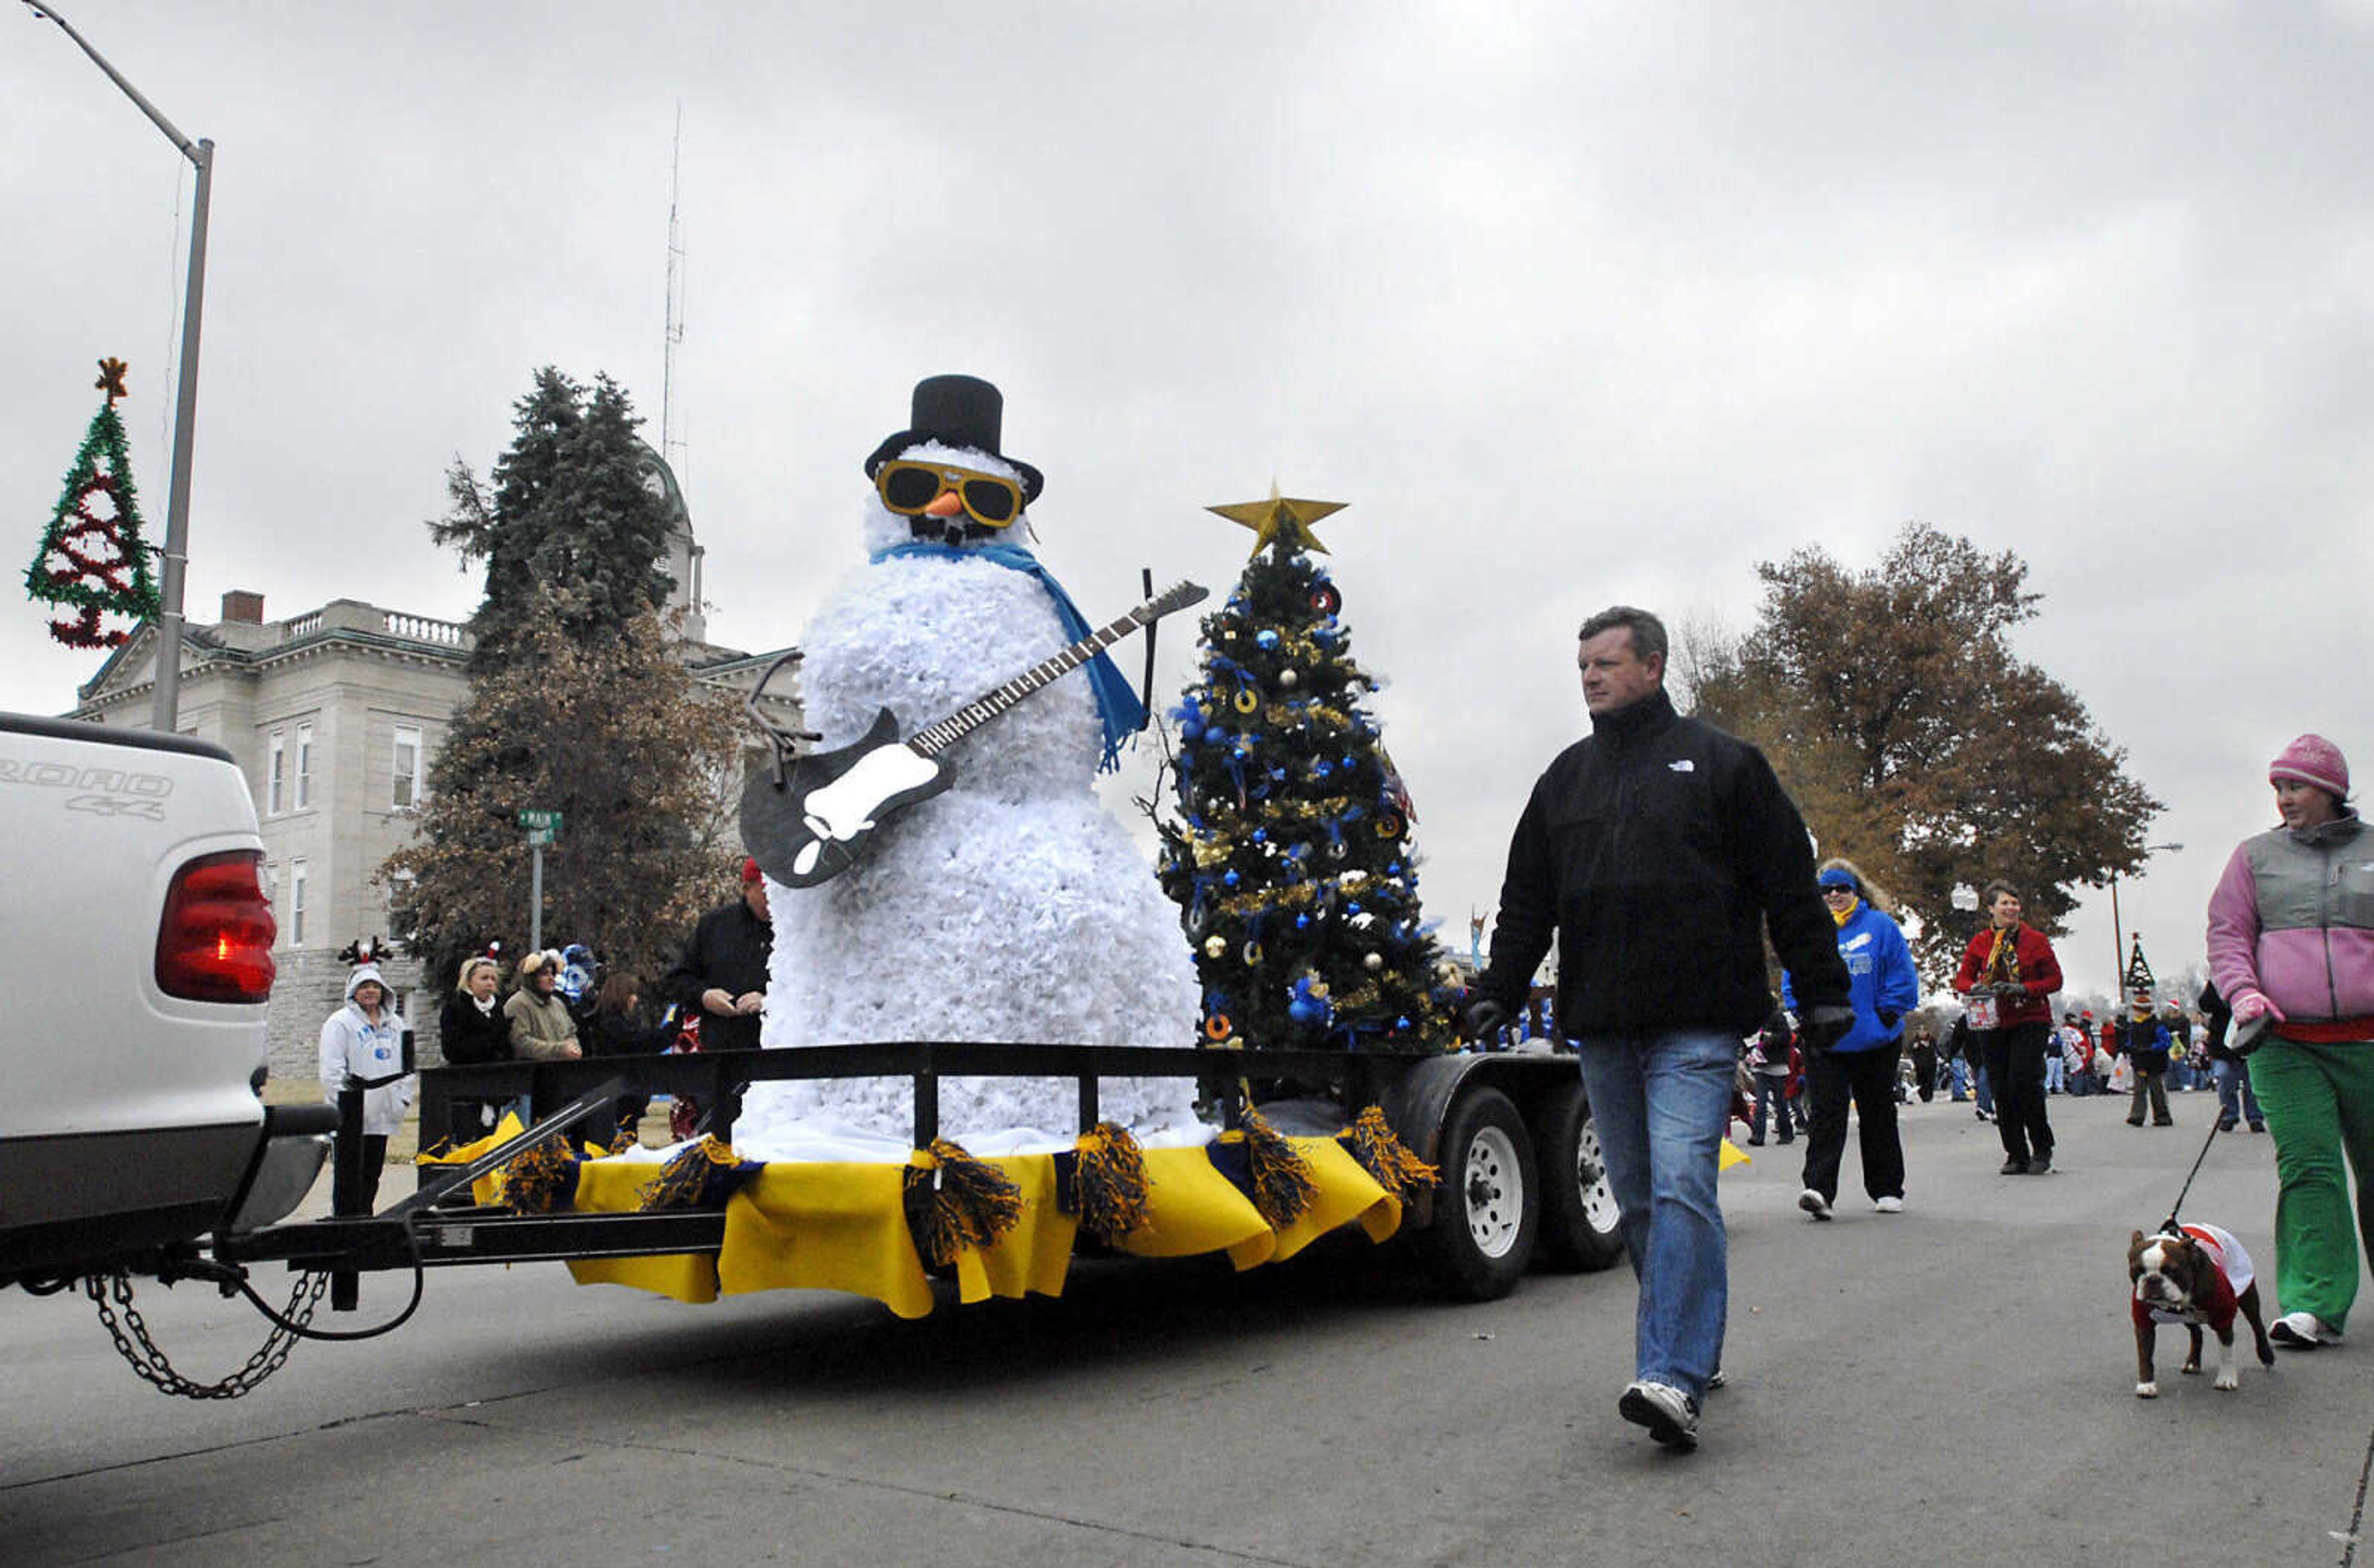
x=214, y=942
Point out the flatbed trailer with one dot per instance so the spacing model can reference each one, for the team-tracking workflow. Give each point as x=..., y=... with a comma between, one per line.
x=1509, y=1132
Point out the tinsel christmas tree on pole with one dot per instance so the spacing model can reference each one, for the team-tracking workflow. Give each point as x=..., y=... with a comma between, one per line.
x=93, y=567
x=1289, y=857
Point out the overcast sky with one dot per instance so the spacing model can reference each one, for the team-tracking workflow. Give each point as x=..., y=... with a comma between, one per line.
x=1571, y=304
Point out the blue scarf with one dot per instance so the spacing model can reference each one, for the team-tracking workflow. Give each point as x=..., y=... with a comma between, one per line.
x=1117, y=703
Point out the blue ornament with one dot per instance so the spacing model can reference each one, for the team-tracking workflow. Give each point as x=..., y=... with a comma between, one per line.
x=1302, y=922
x=1260, y=834
x=1232, y=879
x=1353, y=907
x=1321, y=768
x=1190, y=729
x=1243, y=752
x=1400, y=1023
x=1266, y=638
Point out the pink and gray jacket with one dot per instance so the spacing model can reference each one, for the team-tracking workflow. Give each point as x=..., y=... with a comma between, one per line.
x=2293, y=920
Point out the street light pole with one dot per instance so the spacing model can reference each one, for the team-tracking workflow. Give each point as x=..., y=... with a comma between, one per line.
x=165, y=709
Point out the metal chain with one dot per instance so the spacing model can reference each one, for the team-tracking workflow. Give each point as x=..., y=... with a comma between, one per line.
x=146, y=1358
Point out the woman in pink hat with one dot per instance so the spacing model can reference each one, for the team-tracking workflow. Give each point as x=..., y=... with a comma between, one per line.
x=2291, y=947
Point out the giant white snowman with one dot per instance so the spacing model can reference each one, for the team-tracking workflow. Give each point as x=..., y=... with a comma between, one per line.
x=1012, y=906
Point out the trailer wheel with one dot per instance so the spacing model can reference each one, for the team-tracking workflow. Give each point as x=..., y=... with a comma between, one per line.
x=1579, y=1212
x=1482, y=1236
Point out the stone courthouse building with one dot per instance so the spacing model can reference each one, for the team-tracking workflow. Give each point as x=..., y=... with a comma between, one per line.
x=334, y=715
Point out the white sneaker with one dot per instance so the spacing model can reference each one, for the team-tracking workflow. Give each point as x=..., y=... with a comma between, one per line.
x=1814, y=1203
x=1671, y=1416
x=1890, y=1205
x=2302, y=1332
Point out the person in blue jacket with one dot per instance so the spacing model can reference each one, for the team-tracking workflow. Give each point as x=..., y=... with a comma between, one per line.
x=1862, y=1064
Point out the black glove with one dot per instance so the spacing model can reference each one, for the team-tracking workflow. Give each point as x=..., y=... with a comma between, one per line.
x=2010, y=990
x=1819, y=1028
x=1483, y=1018
x=1890, y=1018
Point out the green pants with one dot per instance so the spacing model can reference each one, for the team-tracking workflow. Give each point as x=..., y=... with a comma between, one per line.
x=2319, y=1105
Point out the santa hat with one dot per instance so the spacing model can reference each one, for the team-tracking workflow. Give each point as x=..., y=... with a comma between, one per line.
x=2312, y=759
x=956, y=411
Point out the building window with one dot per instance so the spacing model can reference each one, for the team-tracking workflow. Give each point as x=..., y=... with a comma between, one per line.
x=304, y=766
x=297, y=901
x=407, y=767
x=275, y=769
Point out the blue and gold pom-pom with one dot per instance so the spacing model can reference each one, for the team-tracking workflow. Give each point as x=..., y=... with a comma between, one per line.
x=1283, y=1188
x=700, y=1176
x=1110, y=1183
x=1384, y=1156
x=958, y=1201
x=541, y=1178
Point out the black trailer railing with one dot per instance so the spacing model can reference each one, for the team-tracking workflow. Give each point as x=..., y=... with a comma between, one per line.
x=716, y=1079
x=425, y=1230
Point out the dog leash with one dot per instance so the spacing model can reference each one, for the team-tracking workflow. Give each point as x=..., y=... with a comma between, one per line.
x=2167, y=1226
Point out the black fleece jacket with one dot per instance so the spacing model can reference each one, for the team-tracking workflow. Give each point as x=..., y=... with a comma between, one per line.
x=1657, y=849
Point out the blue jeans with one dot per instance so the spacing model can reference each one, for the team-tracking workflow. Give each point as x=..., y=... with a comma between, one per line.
x=1772, y=1092
x=2235, y=1100
x=1660, y=1102
x=1986, y=1090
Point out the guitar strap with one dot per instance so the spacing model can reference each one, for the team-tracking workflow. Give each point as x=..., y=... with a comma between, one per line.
x=1117, y=704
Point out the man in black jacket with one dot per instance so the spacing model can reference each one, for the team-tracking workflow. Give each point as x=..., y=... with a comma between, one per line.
x=722, y=974
x=1658, y=849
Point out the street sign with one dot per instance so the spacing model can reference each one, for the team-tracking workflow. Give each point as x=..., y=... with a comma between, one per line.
x=537, y=837
x=548, y=821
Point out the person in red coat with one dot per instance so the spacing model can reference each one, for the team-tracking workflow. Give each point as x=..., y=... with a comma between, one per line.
x=2009, y=975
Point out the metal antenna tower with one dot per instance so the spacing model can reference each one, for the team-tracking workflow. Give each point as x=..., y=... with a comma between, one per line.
x=671, y=434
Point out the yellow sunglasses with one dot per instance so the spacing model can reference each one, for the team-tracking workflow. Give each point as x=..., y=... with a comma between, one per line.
x=908, y=489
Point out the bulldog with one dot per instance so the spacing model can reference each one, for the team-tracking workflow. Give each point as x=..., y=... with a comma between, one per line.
x=2193, y=1274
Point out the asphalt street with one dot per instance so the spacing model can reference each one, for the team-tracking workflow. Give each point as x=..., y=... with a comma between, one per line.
x=1952, y=1384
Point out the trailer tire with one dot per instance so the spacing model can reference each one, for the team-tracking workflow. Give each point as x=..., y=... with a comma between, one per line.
x=1485, y=1210
x=1578, y=1232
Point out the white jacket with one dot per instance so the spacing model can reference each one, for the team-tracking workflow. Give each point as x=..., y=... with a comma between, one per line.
x=352, y=1045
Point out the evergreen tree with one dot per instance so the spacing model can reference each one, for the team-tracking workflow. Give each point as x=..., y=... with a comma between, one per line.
x=1289, y=857
x=612, y=732
x=568, y=519
x=579, y=703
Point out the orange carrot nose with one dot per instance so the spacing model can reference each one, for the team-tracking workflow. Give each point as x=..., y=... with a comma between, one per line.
x=948, y=503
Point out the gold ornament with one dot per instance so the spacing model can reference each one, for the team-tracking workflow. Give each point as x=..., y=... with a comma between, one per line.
x=1280, y=520
x=1214, y=946
x=1247, y=699
x=111, y=379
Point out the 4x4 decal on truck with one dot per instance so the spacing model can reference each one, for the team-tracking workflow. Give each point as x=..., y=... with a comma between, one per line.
x=103, y=791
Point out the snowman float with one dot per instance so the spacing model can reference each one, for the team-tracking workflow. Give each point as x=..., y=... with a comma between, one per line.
x=999, y=901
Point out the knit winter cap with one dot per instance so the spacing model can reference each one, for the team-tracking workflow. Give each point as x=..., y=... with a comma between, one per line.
x=2312, y=759
x=750, y=869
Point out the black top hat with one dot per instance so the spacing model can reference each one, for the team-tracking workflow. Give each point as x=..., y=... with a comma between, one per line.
x=956, y=411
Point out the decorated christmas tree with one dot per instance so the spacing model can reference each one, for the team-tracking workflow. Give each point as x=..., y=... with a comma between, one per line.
x=1289, y=857
x=93, y=567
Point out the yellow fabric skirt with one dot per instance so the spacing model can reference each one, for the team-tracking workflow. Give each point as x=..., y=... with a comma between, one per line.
x=843, y=1226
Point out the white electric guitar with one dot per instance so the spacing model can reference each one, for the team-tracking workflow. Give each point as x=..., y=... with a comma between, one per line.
x=806, y=823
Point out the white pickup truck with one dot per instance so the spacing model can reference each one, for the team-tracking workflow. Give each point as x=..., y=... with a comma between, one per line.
x=136, y=963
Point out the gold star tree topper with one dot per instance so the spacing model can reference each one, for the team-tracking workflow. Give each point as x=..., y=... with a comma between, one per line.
x=1280, y=520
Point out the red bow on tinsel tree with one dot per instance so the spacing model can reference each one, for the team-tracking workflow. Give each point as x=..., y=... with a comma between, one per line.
x=92, y=562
